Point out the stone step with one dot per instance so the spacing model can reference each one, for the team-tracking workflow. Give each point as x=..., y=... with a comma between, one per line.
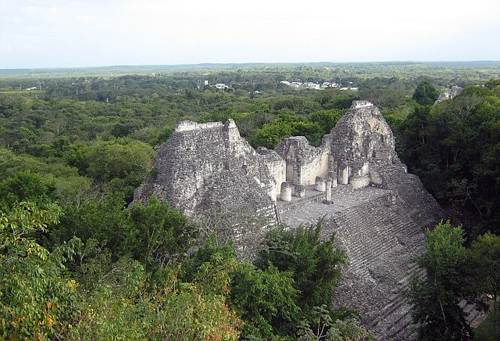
x=398, y=331
x=397, y=298
x=297, y=202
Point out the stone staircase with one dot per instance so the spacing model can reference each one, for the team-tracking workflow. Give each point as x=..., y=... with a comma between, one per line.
x=373, y=233
x=374, y=225
x=269, y=215
x=394, y=321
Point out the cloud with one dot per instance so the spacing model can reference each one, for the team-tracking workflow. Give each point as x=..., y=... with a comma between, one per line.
x=97, y=32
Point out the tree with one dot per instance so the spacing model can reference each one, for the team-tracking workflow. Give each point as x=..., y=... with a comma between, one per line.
x=271, y=134
x=266, y=300
x=37, y=298
x=126, y=306
x=26, y=186
x=327, y=119
x=159, y=234
x=329, y=329
x=315, y=264
x=436, y=297
x=485, y=254
x=123, y=159
x=425, y=93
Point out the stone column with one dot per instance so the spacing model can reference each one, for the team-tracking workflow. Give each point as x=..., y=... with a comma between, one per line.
x=300, y=191
x=329, y=191
x=333, y=178
x=286, y=191
x=320, y=184
x=365, y=169
x=344, y=175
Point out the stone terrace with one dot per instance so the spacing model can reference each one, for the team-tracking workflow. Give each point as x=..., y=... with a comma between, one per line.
x=311, y=208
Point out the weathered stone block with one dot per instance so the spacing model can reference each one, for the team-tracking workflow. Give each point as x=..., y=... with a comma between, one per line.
x=286, y=191
x=320, y=184
x=360, y=181
x=300, y=191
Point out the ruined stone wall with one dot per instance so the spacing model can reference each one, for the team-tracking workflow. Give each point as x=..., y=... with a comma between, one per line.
x=304, y=162
x=318, y=166
x=203, y=166
x=362, y=135
x=276, y=167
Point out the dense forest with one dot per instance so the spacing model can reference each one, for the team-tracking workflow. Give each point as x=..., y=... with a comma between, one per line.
x=77, y=263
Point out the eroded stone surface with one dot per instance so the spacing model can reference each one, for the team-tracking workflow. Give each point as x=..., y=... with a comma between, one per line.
x=207, y=166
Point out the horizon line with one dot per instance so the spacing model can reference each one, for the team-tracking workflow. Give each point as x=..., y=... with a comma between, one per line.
x=251, y=63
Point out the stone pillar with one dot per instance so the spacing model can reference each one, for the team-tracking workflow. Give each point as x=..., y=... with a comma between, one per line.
x=320, y=184
x=344, y=175
x=329, y=191
x=300, y=191
x=299, y=178
x=365, y=169
x=333, y=178
x=286, y=191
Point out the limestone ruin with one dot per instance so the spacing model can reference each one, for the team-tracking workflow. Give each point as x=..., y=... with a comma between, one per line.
x=354, y=181
x=211, y=165
x=454, y=92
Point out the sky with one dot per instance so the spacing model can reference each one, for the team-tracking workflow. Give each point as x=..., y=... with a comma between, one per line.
x=80, y=33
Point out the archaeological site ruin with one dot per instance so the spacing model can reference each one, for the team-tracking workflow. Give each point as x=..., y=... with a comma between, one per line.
x=354, y=181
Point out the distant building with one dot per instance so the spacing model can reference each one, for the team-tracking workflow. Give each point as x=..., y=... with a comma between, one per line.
x=312, y=85
x=32, y=88
x=206, y=82
x=221, y=86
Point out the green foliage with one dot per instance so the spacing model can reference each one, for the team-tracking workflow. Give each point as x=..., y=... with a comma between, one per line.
x=327, y=119
x=331, y=329
x=425, y=93
x=266, y=300
x=315, y=264
x=37, y=298
x=211, y=254
x=454, y=148
x=485, y=269
x=271, y=135
x=68, y=184
x=26, y=186
x=104, y=161
x=159, y=235
x=122, y=309
x=103, y=220
x=436, y=297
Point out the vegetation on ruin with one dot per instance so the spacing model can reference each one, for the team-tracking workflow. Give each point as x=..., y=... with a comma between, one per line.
x=76, y=264
x=455, y=274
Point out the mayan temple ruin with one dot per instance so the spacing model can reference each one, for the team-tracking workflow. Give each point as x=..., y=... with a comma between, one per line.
x=354, y=181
